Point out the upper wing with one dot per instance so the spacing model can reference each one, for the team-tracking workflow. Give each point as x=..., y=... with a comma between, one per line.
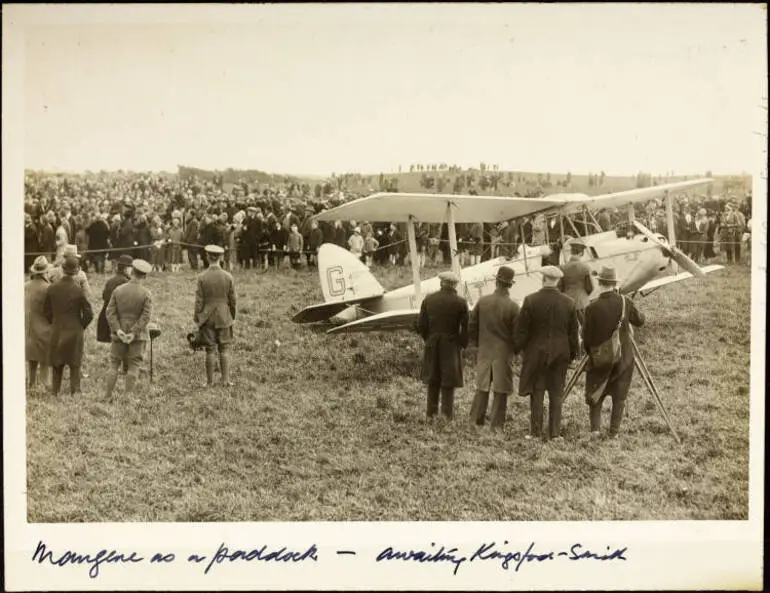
x=388, y=321
x=658, y=282
x=400, y=207
x=572, y=203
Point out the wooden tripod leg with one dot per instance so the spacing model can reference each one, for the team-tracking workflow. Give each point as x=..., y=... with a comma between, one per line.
x=573, y=379
x=647, y=378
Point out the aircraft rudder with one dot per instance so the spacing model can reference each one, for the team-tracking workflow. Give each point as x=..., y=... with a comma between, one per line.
x=343, y=276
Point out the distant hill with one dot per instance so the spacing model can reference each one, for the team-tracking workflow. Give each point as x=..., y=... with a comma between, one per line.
x=508, y=182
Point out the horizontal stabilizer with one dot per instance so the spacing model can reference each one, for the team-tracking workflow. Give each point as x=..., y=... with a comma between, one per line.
x=323, y=311
x=388, y=321
x=658, y=282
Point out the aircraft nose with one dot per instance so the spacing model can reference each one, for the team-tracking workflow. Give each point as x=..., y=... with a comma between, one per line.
x=647, y=267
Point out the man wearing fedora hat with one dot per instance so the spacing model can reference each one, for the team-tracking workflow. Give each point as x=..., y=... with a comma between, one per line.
x=128, y=313
x=492, y=327
x=69, y=312
x=122, y=275
x=443, y=325
x=56, y=273
x=547, y=334
x=601, y=319
x=38, y=328
x=215, y=307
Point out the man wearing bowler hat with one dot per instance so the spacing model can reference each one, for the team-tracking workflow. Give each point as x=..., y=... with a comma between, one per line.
x=547, y=334
x=443, y=325
x=215, y=314
x=492, y=326
x=601, y=319
x=128, y=314
x=68, y=311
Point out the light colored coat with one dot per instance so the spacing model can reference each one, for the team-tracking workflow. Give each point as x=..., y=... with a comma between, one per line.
x=492, y=326
x=38, y=328
x=215, y=298
x=129, y=309
x=81, y=279
x=577, y=282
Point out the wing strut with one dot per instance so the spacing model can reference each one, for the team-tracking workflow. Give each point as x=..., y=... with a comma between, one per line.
x=523, y=246
x=670, y=225
x=450, y=223
x=414, y=258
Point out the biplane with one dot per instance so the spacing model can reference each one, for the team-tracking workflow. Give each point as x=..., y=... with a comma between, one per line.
x=356, y=302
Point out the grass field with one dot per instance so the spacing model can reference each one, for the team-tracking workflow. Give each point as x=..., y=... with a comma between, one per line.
x=332, y=427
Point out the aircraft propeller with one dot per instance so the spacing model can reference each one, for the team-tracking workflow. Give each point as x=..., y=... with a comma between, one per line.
x=671, y=251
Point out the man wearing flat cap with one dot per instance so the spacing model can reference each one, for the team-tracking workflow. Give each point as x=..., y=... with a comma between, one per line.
x=547, y=334
x=128, y=314
x=492, y=327
x=601, y=320
x=215, y=314
x=443, y=325
x=68, y=311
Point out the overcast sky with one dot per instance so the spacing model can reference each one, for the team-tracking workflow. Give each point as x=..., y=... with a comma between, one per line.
x=316, y=89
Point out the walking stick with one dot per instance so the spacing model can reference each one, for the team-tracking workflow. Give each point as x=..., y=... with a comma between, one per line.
x=151, y=341
x=648, y=382
x=573, y=379
x=154, y=331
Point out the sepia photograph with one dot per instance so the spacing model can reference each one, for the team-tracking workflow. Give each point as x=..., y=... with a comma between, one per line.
x=390, y=263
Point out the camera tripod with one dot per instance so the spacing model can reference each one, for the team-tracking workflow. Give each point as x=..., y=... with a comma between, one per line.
x=644, y=372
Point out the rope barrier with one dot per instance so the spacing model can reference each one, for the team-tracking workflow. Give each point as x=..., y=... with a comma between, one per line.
x=460, y=245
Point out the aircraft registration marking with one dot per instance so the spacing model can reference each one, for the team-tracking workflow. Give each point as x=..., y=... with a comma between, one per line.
x=335, y=277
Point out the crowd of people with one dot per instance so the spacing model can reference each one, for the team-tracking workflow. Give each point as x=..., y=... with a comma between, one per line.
x=168, y=220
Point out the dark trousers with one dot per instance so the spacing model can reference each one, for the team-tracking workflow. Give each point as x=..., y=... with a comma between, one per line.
x=551, y=380
x=97, y=259
x=192, y=257
x=33, y=367
x=595, y=414
x=499, y=408
x=58, y=374
x=447, y=401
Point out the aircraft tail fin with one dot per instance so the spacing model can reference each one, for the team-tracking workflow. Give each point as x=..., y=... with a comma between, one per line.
x=344, y=277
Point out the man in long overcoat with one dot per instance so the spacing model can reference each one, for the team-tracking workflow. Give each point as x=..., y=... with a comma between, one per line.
x=215, y=307
x=577, y=282
x=38, y=328
x=547, y=334
x=128, y=314
x=69, y=312
x=601, y=319
x=492, y=326
x=443, y=325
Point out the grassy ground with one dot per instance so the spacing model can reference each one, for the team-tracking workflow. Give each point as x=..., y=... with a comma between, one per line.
x=331, y=427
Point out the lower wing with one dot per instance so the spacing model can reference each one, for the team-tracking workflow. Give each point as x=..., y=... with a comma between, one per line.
x=658, y=282
x=324, y=311
x=388, y=321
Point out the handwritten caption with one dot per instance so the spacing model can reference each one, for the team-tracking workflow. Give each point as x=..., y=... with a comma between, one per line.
x=502, y=555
